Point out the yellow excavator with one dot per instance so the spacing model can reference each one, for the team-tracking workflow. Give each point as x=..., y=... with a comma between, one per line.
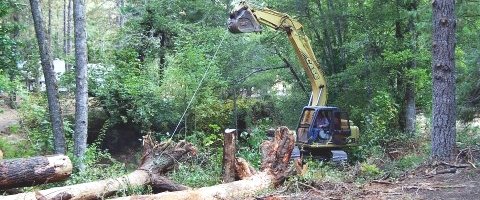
x=322, y=131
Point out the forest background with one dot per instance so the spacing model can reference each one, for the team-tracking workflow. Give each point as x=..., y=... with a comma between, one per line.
x=147, y=58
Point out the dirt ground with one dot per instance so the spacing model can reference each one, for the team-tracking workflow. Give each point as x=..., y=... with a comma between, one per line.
x=8, y=117
x=463, y=184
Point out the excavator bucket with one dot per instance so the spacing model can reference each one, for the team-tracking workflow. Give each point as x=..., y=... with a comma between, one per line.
x=242, y=20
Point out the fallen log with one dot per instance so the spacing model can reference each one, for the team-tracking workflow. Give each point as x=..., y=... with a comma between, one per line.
x=275, y=168
x=157, y=159
x=23, y=172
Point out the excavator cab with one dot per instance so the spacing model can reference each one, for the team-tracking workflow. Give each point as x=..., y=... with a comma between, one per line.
x=325, y=127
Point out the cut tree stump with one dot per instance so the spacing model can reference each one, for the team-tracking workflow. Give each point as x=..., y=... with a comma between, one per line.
x=275, y=168
x=23, y=172
x=229, y=150
x=157, y=159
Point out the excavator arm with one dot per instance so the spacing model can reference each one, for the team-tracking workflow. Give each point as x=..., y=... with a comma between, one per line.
x=244, y=19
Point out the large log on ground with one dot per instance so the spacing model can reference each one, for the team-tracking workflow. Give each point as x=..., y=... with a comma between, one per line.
x=275, y=168
x=157, y=159
x=22, y=172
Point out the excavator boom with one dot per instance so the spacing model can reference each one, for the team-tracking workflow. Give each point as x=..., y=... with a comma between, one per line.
x=243, y=19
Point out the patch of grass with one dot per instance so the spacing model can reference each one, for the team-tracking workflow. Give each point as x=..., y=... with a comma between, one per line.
x=203, y=170
x=15, y=150
x=319, y=170
x=369, y=171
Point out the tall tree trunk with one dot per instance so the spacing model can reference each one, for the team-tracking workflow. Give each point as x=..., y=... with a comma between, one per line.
x=81, y=92
x=410, y=108
x=50, y=79
x=49, y=4
x=12, y=72
x=443, y=75
x=69, y=30
x=65, y=18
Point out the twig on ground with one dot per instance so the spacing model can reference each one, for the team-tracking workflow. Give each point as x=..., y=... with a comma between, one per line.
x=473, y=165
x=445, y=171
x=309, y=186
x=382, y=182
x=449, y=186
x=419, y=188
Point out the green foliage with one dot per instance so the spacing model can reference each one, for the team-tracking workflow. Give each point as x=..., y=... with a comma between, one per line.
x=99, y=165
x=35, y=123
x=381, y=119
x=318, y=170
x=469, y=136
x=369, y=171
x=249, y=145
x=15, y=149
x=203, y=170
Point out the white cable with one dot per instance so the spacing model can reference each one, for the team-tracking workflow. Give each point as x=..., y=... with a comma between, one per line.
x=199, y=85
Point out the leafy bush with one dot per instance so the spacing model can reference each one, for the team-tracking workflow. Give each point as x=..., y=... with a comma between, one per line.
x=369, y=171
x=35, y=123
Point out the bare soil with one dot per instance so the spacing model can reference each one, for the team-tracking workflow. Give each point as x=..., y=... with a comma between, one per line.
x=8, y=117
x=462, y=185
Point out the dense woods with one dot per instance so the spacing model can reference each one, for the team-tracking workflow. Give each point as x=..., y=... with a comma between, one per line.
x=91, y=79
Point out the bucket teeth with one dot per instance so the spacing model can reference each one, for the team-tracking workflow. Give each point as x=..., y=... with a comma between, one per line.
x=243, y=21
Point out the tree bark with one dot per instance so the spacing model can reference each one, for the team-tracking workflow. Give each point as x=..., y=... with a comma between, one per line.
x=410, y=107
x=157, y=160
x=65, y=17
x=13, y=72
x=23, y=172
x=49, y=31
x=275, y=168
x=69, y=31
x=443, y=75
x=81, y=92
x=50, y=79
x=229, y=150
